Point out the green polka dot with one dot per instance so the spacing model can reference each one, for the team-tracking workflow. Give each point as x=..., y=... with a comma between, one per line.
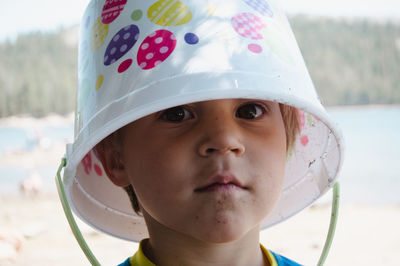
x=136, y=15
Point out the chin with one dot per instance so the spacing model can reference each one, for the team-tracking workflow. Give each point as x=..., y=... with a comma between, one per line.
x=224, y=232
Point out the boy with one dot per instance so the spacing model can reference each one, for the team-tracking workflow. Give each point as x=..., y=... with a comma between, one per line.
x=211, y=125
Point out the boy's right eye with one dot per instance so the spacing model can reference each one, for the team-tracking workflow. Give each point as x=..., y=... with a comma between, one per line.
x=176, y=114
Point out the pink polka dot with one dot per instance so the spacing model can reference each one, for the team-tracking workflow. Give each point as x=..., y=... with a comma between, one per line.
x=111, y=10
x=156, y=48
x=97, y=169
x=255, y=48
x=304, y=140
x=124, y=65
x=248, y=25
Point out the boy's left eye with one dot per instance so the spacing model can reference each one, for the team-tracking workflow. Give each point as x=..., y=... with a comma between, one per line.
x=250, y=111
x=176, y=114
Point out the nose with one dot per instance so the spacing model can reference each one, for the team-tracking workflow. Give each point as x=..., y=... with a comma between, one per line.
x=220, y=136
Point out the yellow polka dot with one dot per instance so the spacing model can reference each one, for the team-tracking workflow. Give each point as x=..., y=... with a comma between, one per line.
x=211, y=9
x=99, y=81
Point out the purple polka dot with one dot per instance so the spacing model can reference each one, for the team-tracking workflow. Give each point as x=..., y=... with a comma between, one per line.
x=121, y=43
x=191, y=38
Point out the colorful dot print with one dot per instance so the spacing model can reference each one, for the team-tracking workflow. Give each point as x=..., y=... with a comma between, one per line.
x=302, y=118
x=304, y=140
x=255, y=48
x=191, y=38
x=260, y=6
x=248, y=25
x=211, y=9
x=156, y=48
x=124, y=65
x=88, y=166
x=98, y=34
x=169, y=13
x=121, y=43
x=99, y=81
x=111, y=10
x=137, y=15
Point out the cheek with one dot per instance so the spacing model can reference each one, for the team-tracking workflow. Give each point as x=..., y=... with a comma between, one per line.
x=156, y=172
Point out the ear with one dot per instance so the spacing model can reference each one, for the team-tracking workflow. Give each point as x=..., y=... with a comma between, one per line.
x=110, y=155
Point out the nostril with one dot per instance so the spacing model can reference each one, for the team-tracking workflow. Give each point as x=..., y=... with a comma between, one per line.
x=213, y=150
x=235, y=150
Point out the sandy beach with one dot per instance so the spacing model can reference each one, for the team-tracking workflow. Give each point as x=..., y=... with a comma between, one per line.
x=366, y=235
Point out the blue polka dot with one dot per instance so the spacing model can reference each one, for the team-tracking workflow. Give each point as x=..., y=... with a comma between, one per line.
x=191, y=38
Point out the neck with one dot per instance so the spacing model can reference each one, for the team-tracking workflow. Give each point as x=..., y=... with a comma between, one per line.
x=167, y=247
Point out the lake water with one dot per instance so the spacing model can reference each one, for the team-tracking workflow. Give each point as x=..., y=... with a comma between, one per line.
x=370, y=173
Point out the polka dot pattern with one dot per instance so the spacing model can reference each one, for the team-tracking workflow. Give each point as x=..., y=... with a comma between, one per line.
x=169, y=13
x=155, y=48
x=255, y=48
x=99, y=81
x=260, y=6
x=248, y=25
x=89, y=165
x=124, y=65
x=137, y=15
x=121, y=43
x=211, y=9
x=111, y=10
x=98, y=35
x=191, y=38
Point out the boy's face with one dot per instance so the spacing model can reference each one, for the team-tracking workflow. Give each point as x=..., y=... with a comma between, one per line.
x=210, y=170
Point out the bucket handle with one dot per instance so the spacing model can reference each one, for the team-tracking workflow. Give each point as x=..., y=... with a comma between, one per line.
x=71, y=220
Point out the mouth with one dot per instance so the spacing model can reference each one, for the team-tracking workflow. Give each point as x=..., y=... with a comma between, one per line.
x=221, y=182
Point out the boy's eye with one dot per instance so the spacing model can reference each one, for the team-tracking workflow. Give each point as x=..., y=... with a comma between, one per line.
x=176, y=114
x=250, y=111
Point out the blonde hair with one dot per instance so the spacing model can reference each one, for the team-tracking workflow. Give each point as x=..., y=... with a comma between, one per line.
x=291, y=121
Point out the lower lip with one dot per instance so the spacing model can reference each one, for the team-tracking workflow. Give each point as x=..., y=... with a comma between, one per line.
x=221, y=188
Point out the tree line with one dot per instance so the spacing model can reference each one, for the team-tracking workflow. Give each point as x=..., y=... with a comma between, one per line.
x=351, y=62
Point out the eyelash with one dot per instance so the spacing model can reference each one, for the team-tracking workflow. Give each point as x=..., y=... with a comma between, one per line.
x=163, y=115
x=263, y=107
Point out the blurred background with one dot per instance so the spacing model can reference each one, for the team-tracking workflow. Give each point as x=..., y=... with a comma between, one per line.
x=352, y=50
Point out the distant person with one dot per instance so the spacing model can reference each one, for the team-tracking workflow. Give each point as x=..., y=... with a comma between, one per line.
x=197, y=125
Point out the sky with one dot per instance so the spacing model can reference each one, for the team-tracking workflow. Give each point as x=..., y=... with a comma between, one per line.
x=21, y=16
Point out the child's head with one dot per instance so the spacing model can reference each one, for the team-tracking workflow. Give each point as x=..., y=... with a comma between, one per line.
x=216, y=98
